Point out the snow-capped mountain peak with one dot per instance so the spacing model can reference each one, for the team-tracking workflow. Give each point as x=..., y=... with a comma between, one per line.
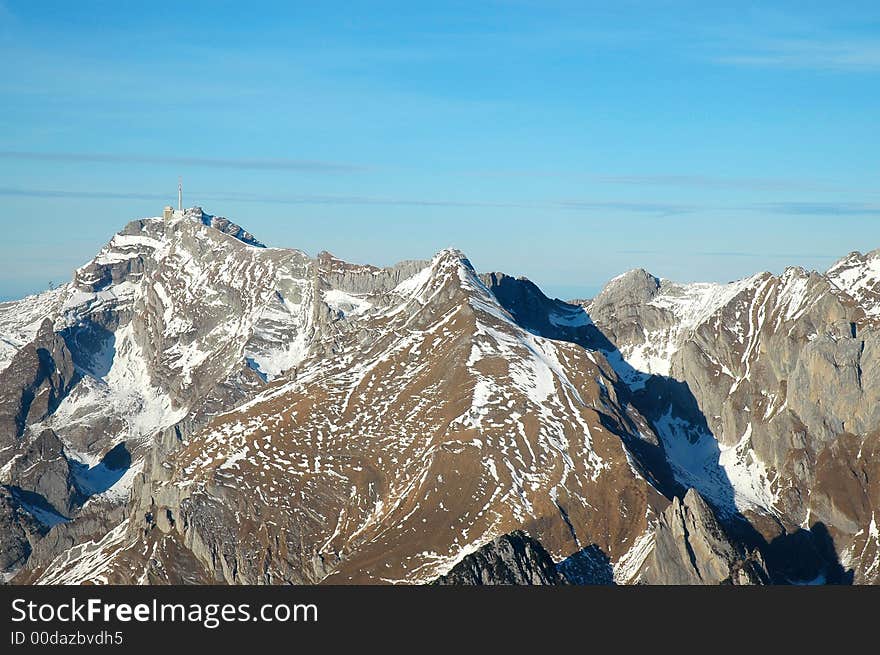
x=193, y=406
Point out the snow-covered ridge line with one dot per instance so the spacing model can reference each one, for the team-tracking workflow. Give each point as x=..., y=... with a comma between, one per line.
x=351, y=383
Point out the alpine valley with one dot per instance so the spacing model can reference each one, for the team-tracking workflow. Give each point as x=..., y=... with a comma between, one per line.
x=194, y=407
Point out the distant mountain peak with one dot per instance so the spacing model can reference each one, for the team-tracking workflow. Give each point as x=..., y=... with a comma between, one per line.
x=637, y=284
x=270, y=417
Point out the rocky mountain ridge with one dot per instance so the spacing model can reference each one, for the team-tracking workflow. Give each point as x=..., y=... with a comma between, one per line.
x=196, y=407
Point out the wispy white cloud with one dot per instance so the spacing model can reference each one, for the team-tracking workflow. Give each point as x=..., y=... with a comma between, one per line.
x=820, y=208
x=789, y=256
x=658, y=209
x=95, y=195
x=230, y=196
x=592, y=206
x=303, y=165
x=719, y=182
x=685, y=181
x=820, y=53
x=311, y=199
x=638, y=207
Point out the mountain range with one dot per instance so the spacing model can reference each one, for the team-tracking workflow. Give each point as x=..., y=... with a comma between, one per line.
x=195, y=407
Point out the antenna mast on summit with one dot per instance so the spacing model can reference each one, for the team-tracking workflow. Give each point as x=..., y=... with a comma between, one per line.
x=180, y=194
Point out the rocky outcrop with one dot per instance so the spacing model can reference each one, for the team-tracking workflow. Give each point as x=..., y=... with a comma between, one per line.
x=511, y=559
x=42, y=468
x=224, y=225
x=94, y=522
x=33, y=384
x=535, y=311
x=38, y=486
x=691, y=548
x=19, y=531
x=335, y=273
x=749, y=386
x=125, y=263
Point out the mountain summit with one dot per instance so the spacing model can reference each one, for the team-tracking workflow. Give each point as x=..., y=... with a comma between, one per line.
x=194, y=407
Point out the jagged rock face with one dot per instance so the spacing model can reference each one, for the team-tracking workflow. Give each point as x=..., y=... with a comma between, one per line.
x=219, y=411
x=846, y=495
x=172, y=322
x=511, y=559
x=38, y=488
x=42, y=468
x=752, y=385
x=20, y=320
x=20, y=530
x=434, y=426
x=691, y=548
x=226, y=226
x=534, y=311
x=33, y=385
x=103, y=369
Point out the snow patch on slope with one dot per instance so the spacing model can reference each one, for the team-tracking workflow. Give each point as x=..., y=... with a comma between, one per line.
x=859, y=276
x=346, y=304
x=693, y=304
x=126, y=391
x=20, y=320
x=627, y=568
x=89, y=561
x=732, y=478
x=749, y=477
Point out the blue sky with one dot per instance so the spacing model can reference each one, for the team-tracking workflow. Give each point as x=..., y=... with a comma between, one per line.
x=567, y=142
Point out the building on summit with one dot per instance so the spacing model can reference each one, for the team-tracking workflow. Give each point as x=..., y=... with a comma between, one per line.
x=168, y=211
